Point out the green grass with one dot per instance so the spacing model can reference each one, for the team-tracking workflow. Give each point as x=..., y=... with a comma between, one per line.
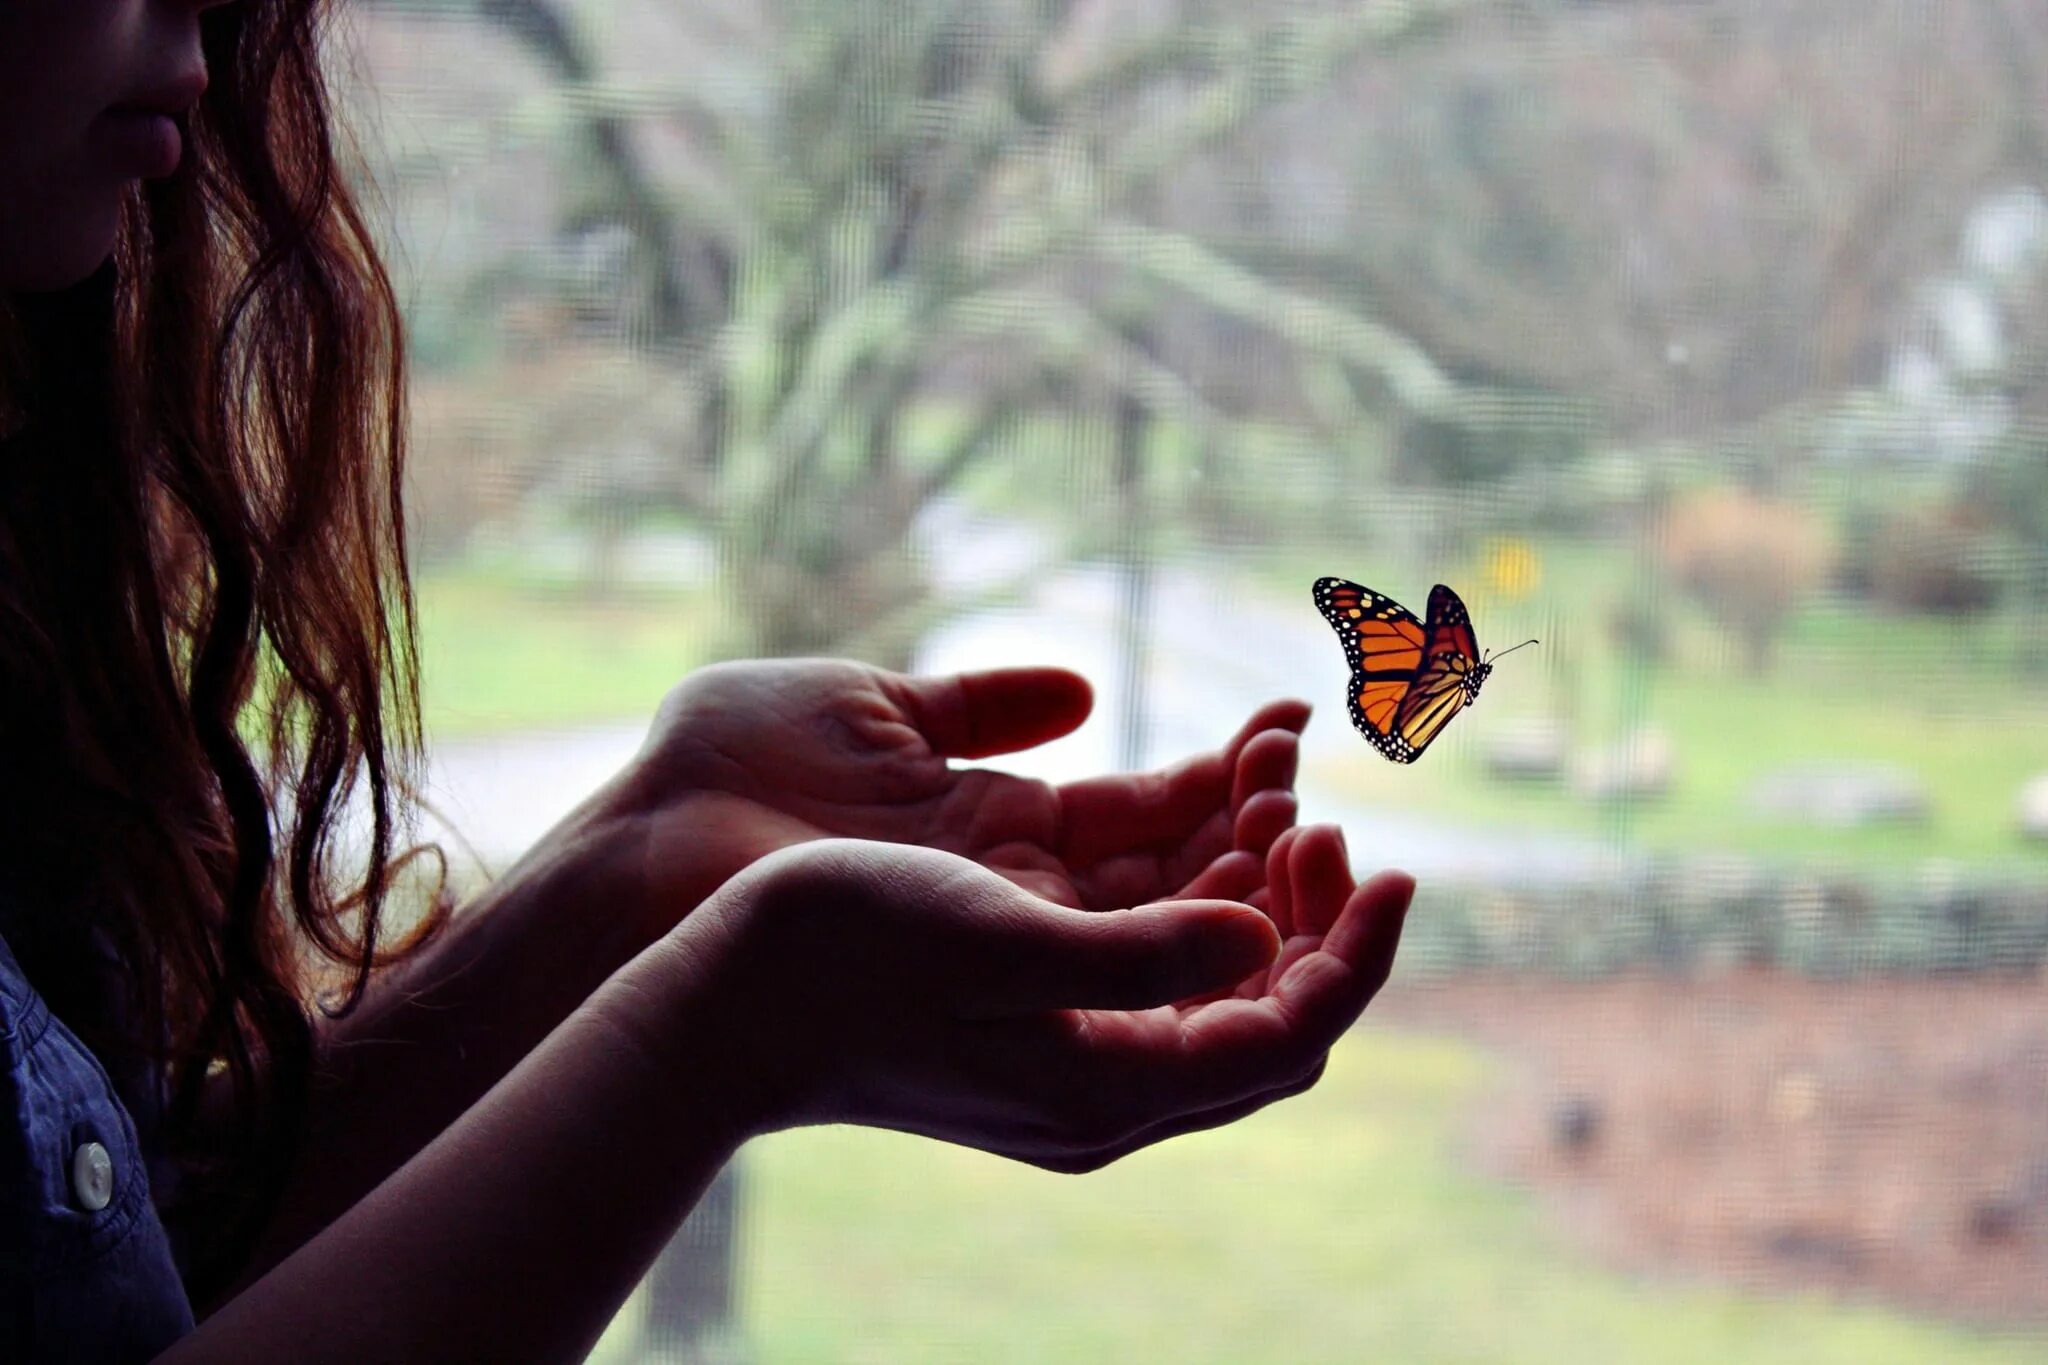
x=1337, y=1227
x=500, y=656
x=1943, y=699
x=1971, y=769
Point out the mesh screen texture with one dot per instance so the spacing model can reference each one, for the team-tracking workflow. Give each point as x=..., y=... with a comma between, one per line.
x=1705, y=343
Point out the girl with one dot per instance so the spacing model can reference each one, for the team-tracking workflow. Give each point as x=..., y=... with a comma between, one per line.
x=231, y=1094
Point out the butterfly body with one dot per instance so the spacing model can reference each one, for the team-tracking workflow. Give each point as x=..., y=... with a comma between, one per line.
x=1409, y=677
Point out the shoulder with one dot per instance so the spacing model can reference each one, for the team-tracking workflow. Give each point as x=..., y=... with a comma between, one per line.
x=85, y=1270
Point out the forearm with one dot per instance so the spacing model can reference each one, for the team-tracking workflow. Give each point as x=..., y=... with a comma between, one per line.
x=437, y=1031
x=517, y=1232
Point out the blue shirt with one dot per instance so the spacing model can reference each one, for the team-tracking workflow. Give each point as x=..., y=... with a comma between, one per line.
x=76, y=1283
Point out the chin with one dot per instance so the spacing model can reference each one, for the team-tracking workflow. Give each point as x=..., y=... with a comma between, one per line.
x=60, y=249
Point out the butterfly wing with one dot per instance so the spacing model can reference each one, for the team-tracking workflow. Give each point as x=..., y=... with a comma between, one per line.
x=1450, y=627
x=1450, y=651
x=1438, y=695
x=1384, y=644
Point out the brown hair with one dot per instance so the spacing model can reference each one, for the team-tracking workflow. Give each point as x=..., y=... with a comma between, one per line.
x=202, y=561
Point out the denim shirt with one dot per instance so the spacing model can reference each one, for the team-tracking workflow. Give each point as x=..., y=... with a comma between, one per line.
x=76, y=1283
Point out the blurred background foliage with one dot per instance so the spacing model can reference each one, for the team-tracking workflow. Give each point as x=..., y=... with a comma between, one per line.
x=1731, y=318
x=1706, y=340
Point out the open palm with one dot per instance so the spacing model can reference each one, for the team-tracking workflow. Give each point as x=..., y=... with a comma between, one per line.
x=746, y=758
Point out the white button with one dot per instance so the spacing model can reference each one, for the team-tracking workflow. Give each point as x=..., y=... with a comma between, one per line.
x=92, y=1177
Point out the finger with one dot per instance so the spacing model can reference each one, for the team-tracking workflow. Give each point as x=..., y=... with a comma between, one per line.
x=1338, y=977
x=1212, y=839
x=1094, y=1079
x=1268, y=762
x=1118, y=1072
x=1368, y=932
x=1105, y=816
x=1231, y=877
x=1291, y=952
x=1264, y=819
x=1031, y=956
x=1279, y=884
x=1319, y=873
x=1083, y=1162
x=1287, y=713
x=1345, y=969
x=996, y=711
x=1148, y=875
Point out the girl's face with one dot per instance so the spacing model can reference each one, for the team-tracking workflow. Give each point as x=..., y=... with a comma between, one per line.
x=68, y=149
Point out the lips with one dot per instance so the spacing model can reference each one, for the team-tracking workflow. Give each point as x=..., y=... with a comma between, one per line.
x=138, y=142
x=143, y=134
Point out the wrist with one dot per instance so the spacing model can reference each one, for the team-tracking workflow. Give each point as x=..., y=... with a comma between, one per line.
x=709, y=998
x=663, y=1010
x=577, y=897
x=690, y=844
x=620, y=870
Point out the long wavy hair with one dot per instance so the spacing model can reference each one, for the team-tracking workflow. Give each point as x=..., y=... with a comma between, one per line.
x=207, y=630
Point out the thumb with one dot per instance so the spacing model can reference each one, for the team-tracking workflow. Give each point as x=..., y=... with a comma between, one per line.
x=1042, y=956
x=996, y=711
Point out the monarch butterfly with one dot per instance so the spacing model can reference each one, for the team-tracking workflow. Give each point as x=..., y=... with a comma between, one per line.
x=1408, y=677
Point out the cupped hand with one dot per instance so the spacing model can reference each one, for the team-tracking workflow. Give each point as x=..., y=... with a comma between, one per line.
x=747, y=758
x=912, y=989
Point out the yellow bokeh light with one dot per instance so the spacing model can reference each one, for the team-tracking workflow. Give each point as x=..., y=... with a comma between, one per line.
x=1513, y=568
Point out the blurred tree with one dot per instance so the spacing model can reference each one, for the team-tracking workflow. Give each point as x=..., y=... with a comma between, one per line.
x=828, y=216
x=1933, y=559
x=865, y=209
x=855, y=246
x=2010, y=486
x=1693, y=213
x=1749, y=560
x=1538, y=228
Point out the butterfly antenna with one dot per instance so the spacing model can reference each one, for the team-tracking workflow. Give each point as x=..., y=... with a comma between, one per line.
x=1504, y=653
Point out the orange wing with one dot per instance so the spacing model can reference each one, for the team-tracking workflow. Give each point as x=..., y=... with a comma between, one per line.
x=1440, y=690
x=1385, y=646
x=1438, y=694
x=1408, y=678
x=1449, y=653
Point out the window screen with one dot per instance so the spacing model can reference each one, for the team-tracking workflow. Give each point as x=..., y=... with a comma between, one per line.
x=1705, y=343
